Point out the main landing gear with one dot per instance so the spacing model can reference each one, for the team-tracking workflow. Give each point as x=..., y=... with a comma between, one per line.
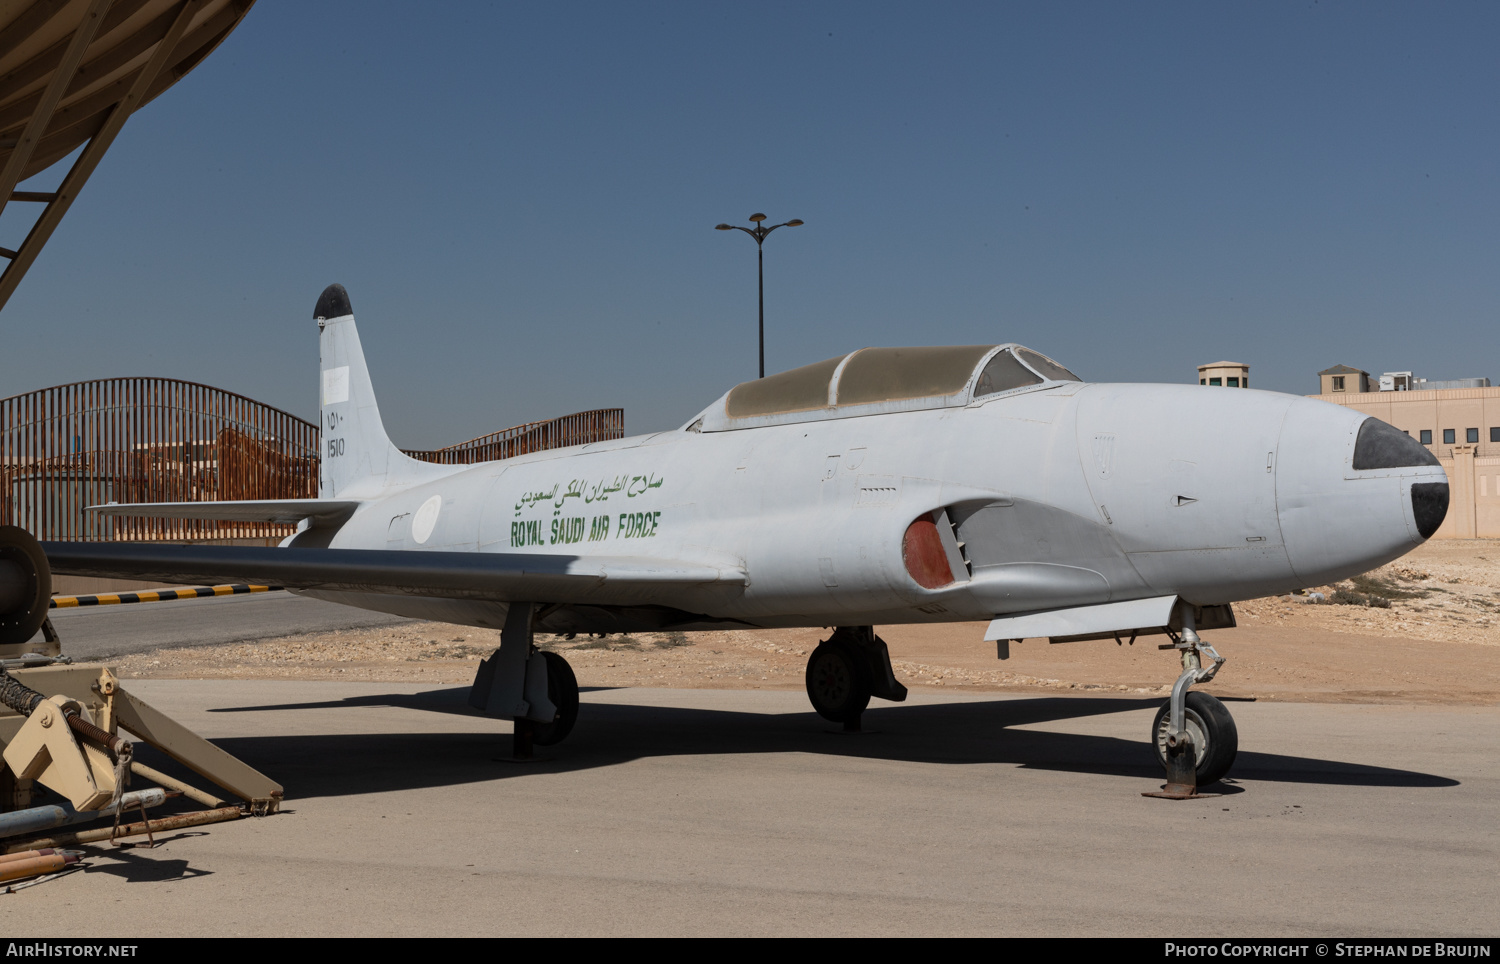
x=562, y=692
x=1194, y=735
x=846, y=670
x=537, y=690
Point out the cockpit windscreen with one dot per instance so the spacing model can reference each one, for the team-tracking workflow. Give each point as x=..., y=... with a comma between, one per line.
x=1003, y=373
x=1049, y=368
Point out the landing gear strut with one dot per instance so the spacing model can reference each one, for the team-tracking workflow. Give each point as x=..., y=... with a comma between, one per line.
x=846, y=670
x=537, y=690
x=1194, y=735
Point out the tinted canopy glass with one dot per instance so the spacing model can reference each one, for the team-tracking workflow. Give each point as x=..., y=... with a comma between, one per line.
x=1381, y=445
x=795, y=391
x=1048, y=367
x=871, y=376
x=1002, y=373
x=887, y=374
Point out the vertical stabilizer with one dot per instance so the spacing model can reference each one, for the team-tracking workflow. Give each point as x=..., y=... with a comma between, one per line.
x=358, y=459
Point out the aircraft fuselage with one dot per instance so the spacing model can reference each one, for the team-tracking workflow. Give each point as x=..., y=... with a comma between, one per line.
x=1068, y=496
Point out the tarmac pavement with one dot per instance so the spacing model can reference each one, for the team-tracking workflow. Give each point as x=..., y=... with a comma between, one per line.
x=101, y=632
x=742, y=813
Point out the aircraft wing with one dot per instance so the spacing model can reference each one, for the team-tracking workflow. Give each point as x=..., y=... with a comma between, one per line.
x=495, y=576
x=271, y=510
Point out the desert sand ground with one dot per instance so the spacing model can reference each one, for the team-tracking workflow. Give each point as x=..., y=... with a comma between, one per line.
x=1424, y=629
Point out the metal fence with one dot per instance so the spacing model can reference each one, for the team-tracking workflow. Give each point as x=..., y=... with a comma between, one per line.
x=165, y=440
x=598, y=425
x=147, y=440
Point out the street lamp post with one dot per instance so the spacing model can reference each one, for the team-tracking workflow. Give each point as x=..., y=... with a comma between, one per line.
x=759, y=233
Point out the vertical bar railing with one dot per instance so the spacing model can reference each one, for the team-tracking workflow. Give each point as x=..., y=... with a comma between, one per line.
x=144, y=440
x=581, y=428
x=165, y=440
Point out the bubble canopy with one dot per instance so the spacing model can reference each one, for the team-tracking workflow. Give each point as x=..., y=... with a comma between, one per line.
x=876, y=380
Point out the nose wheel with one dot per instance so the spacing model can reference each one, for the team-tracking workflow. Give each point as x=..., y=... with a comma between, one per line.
x=1214, y=737
x=1194, y=735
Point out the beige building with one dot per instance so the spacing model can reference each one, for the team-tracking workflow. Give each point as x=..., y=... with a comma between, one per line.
x=1226, y=374
x=1342, y=378
x=1461, y=426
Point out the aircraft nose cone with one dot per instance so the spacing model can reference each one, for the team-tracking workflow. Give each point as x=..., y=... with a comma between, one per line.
x=1352, y=492
x=1383, y=446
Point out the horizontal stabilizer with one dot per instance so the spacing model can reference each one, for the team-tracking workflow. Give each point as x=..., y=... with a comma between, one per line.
x=270, y=510
x=493, y=576
x=1084, y=620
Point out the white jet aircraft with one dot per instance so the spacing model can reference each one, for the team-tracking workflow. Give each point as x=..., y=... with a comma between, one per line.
x=889, y=485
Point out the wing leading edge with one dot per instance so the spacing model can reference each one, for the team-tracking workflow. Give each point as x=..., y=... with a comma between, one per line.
x=495, y=576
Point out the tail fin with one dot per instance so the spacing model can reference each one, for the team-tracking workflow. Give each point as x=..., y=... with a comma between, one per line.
x=358, y=459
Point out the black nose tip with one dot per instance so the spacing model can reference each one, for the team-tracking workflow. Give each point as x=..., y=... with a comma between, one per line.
x=1429, y=506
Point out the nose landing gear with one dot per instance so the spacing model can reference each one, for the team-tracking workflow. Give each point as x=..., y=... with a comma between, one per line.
x=1194, y=735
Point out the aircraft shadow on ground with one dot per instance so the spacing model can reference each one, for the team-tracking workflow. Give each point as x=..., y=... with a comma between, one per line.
x=607, y=734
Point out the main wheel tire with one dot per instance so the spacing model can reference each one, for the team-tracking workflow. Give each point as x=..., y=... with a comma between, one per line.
x=562, y=690
x=25, y=586
x=1215, y=738
x=837, y=683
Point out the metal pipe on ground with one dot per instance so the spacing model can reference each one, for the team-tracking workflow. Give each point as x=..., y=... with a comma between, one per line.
x=26, y=855
x=177, y=822
x=32, y=866
x=54, y=815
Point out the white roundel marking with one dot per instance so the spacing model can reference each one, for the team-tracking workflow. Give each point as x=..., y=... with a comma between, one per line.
x=425, y=520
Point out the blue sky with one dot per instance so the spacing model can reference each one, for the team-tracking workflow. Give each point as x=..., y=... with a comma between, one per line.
x=520, y=199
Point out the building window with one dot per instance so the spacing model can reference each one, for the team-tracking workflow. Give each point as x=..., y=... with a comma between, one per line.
x=1202, y=381
x=1448, y=436
x=1471, y=436
x=1495, y=433
x=1216, y=381
x=1234, y=383
x=1426, y=436
x=1338, y=383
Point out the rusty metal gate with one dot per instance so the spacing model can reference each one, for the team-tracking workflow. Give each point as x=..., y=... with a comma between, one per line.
x=166, y=440
x=579, y=429
x=147, y=440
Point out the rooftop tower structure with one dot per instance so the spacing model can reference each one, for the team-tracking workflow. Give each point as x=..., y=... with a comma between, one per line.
x=1224, y=374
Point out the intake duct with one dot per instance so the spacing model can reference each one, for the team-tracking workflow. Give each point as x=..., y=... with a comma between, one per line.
x=25, y=586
